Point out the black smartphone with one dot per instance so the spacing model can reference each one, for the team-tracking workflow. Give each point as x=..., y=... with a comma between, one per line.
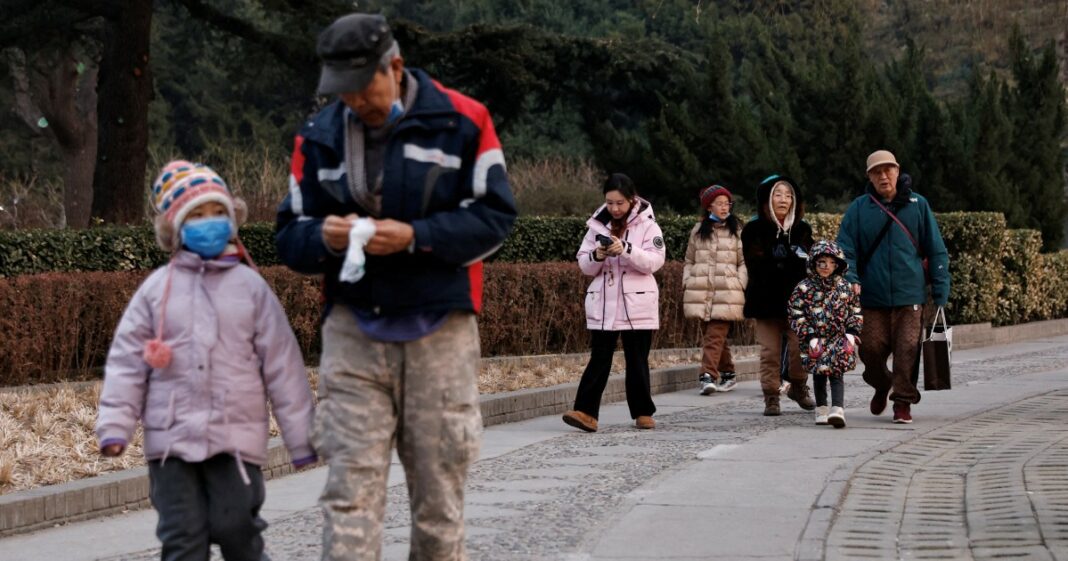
x=604, y=240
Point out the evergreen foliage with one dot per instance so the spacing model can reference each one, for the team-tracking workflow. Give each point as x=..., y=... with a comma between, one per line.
x=675, y=93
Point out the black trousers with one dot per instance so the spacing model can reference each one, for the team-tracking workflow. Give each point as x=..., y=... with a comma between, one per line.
x=837, y=390
x=201, y=503
x=636, y=346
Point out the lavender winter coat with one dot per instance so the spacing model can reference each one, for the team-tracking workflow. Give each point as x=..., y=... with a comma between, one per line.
x=232, y=348
x=623, y=295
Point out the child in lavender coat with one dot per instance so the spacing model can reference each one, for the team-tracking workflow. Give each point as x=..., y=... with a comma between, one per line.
x=201, y=347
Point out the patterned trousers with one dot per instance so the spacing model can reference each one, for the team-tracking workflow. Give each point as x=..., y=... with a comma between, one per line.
x=421, y=396
x=893, y=331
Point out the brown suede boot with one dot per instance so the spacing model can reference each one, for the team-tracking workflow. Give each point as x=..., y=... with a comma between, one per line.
x=771, y=406
x=645, y=422
x=580, y=420
x=799, y=393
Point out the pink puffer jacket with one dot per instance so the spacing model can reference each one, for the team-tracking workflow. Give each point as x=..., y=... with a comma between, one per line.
x=232, y=348
x=623, y=295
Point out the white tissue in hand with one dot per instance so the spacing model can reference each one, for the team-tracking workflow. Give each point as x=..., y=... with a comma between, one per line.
x=362, y=231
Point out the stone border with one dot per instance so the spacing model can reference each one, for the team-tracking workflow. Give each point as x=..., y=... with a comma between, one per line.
x=121, y=491
x=115, y=492
x=975, y=335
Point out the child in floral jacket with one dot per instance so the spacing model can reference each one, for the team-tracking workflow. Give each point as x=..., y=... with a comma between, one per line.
x=825, y=313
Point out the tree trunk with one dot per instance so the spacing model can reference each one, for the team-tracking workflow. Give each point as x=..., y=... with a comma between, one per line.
x=61, y=89
x=125, y=88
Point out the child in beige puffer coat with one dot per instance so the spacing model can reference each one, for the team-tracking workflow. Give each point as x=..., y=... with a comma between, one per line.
x=713, y=281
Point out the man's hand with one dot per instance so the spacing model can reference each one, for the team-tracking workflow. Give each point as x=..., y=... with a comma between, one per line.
x=336, y=231
x=391, y=236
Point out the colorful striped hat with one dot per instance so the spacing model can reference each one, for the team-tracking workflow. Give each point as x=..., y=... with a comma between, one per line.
x=183, y=185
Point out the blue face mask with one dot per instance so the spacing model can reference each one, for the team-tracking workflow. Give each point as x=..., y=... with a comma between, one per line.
x=396, y=111
x=207, y=237
x=712, y=216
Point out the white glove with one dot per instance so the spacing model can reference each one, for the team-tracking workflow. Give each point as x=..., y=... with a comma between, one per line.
x=363, y=229
x=815, y=349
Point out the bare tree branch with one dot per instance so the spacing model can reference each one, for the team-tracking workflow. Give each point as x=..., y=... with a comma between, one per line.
x=107, y=8
x=292, y=53
x=25, y=107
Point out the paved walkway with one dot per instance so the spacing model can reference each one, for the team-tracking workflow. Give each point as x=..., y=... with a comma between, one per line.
x=981, y=474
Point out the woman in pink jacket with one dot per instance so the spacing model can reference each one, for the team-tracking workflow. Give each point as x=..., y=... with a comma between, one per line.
x=621, y=250
x=201, y=347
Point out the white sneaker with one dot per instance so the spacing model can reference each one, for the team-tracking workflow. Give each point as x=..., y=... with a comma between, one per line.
x=837, y=417
x=708, y=385
x=726, y=382
x=821, y=415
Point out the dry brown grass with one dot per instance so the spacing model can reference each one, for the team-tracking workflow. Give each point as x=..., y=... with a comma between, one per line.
x=258, y=174
x=30, y=202
x=46, y=434
x=556, y=186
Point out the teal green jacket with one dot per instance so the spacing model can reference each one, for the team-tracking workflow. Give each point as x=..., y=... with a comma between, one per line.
x=893, y=276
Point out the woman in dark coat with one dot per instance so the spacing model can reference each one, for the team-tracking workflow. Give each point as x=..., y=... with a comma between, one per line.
x=775, y=245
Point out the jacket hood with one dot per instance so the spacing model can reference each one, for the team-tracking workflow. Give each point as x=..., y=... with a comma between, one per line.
x=904, y=189
x=185, y=259
x=326, y=126
x=764, y=194
x=641, y=211
x=828, y=248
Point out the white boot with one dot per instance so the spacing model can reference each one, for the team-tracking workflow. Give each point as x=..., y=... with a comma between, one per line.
x=837, y=417
x=821, y=415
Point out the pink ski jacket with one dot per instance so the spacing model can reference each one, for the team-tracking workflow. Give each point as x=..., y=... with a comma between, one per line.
x=623, y=294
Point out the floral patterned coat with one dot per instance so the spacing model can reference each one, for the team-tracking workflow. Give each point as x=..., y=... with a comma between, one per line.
x=826, y=309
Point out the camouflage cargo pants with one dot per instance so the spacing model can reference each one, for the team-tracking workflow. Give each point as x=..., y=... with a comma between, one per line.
x=421, y=396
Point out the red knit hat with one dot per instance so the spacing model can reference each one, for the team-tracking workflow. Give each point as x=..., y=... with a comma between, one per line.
x=710, y=193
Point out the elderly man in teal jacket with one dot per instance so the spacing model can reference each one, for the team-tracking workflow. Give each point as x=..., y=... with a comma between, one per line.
x=894, y=250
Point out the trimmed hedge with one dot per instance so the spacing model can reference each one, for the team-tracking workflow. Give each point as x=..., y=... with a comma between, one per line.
x=112, y=248
x=536, y=239
x=975, y=243
x=1020, y=298
x=1056, y=284
x=58, y=326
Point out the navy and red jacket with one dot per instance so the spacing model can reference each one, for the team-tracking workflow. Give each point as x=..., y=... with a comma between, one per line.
x=443, y=173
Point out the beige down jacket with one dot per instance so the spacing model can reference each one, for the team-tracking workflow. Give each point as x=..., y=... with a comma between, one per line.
x=714, y=276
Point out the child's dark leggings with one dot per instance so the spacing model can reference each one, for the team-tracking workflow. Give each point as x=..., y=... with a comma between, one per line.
x=201, y=503
x=837, y=389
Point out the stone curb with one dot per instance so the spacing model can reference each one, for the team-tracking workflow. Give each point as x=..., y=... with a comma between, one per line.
x=120, y=491
x=115, y=492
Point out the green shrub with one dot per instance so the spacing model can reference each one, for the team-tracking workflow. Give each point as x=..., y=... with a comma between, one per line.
x=1021, y=298
x=974, y=241
x=58, y=326
x=824, y=226
x=1055, y=286
x=112, y=248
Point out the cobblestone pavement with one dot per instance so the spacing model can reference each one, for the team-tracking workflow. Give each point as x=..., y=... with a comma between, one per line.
x=981, y=487
x=992, y=486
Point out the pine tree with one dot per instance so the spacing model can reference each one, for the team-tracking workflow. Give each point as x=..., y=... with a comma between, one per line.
x=1037, y=110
